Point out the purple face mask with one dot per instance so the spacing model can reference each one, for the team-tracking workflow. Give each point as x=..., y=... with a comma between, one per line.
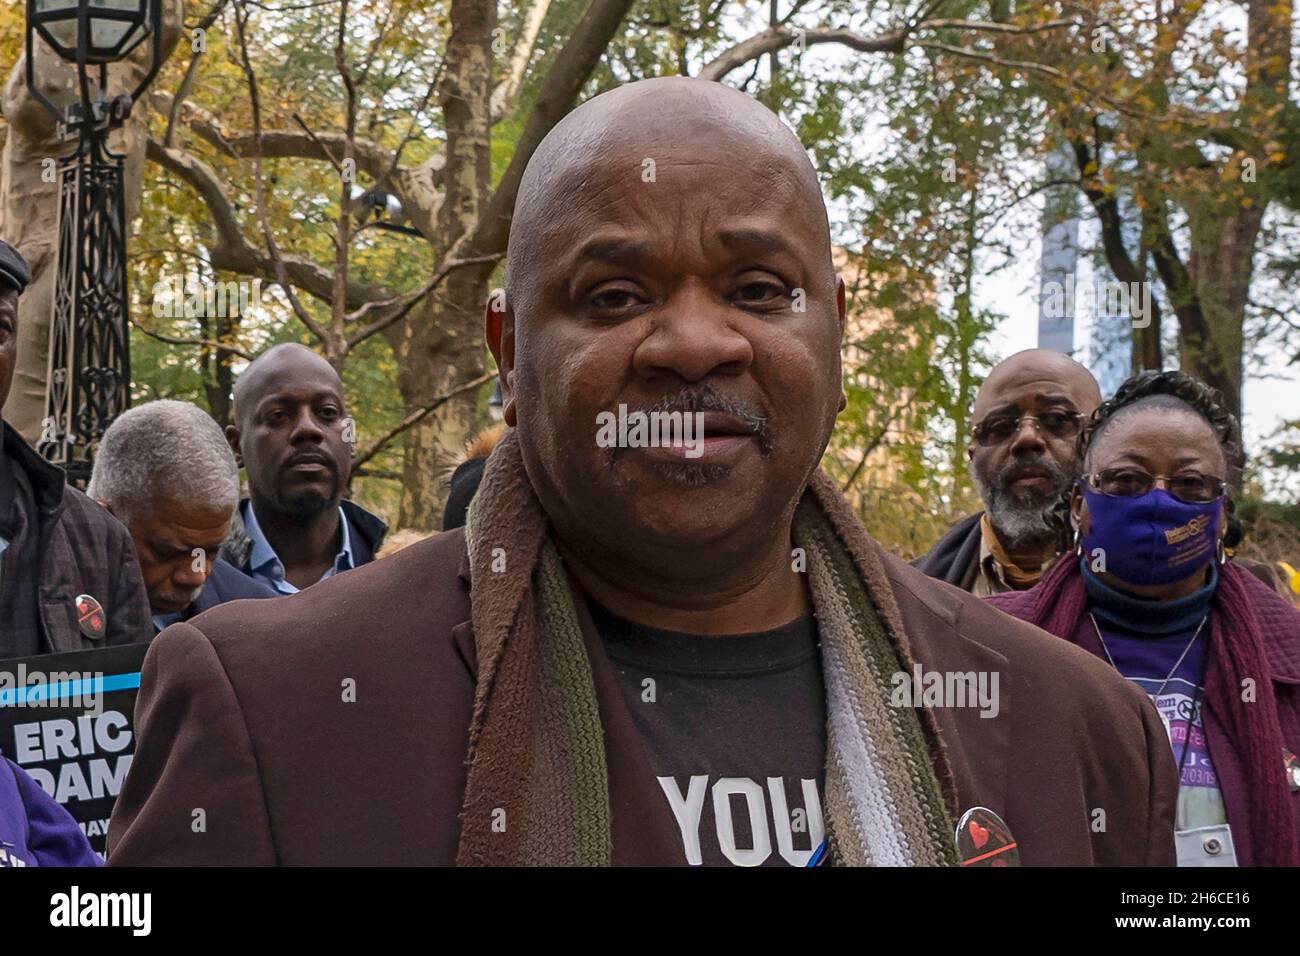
x=1152, y=538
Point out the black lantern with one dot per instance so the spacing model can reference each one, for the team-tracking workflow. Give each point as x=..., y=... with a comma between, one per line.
x=89, y=373
x=113, y=28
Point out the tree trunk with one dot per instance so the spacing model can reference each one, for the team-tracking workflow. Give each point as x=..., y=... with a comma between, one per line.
x=443, y=346
x=1225, y=226
x=218, y=379
x=1221, y=264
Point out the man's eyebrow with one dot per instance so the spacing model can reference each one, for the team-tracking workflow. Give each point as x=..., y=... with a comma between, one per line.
x=768, y=240
x=161, y=545
x=270, y=401
x=614, y=250
x=1006, y=408
x=273, y=399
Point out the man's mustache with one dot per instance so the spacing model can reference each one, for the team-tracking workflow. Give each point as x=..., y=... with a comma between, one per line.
x=312, y=457
x=185, y=599
x=708, y=398
x=1037, y=466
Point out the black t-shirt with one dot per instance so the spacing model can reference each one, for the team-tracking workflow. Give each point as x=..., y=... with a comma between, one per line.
x=735, y=727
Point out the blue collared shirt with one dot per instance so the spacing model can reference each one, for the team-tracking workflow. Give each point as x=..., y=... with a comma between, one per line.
x=163, y=621
x=265, y=565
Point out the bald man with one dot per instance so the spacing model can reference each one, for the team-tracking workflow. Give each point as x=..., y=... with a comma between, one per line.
x=1023, y=461
x=662, y=638
x=293, y=436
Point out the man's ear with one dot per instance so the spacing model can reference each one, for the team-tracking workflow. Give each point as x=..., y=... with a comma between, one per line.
x=499, y=325
x=232, y=437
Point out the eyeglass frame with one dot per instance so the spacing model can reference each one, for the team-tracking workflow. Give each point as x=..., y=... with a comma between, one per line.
x=1156, y=480
x=1077, y=418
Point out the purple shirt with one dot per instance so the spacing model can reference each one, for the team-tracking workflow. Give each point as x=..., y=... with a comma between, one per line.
x=1144, y=641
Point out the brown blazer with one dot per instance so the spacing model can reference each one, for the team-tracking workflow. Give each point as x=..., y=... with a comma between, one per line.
x=242, y=715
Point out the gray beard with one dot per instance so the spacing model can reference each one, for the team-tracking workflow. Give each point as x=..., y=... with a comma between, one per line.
x=1021, y=525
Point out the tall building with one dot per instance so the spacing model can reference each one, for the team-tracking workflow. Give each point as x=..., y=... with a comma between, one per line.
x=1059, y=262
x=1071, y=290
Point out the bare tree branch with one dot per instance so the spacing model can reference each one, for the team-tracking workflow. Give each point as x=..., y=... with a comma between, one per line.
x=896, y=41
x=410, y=300
x=206, y=343
x=232, y=252
x=338, y=307
x=384, y=181
x=329, y=153
x=187, y=82
x=373, y=159
x=277, y=260
x=503, y=95
x=778, y=38
x=1050, y=72
x=416, y=416
x=573, y=66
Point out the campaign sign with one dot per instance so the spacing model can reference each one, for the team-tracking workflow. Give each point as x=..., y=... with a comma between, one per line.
x=67, y=720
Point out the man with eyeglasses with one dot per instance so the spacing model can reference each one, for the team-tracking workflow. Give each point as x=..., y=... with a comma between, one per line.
x=1023, y=461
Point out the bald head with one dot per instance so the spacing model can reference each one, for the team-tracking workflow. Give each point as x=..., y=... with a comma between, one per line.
x=1045, y=367
x=279, y=364
x=622, y=140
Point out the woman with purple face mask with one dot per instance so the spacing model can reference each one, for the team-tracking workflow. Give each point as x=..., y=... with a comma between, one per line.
x=1148, y=588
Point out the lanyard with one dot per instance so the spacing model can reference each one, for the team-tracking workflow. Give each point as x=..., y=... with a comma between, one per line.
x=1196, y=697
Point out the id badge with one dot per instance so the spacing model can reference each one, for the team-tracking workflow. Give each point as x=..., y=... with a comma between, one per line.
x=1205, y=846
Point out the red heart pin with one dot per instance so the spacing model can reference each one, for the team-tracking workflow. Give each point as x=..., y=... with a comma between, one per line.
x=983, y=839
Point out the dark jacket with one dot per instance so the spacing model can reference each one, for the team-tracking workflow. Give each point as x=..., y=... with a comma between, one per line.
x=955, y=558
x=366, y=530
x=464, y=483
x=34, y=830
x=226, y=583
x=78, y=549
x=293, y=776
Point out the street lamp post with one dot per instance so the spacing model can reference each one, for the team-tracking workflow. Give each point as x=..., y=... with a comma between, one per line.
x=89, y=373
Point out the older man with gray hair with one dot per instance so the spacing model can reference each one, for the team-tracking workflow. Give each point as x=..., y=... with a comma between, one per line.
x=166, y=471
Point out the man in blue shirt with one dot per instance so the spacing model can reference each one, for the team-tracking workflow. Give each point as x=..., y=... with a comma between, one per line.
x=165, y=470
x=294, y=437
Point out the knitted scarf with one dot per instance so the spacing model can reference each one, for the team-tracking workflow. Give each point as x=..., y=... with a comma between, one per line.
x=537, y=791
x=1235, y=652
